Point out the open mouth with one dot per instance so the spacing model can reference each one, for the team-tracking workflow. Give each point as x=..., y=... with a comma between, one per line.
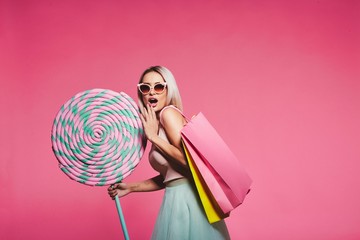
x=153, y=101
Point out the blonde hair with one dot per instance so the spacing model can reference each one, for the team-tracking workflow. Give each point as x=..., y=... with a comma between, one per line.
x=173, y=95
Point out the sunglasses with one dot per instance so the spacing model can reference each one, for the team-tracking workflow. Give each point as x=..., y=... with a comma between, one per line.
x=145, y=88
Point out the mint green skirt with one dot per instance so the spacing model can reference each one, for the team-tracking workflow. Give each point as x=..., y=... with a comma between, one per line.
x=182, y=216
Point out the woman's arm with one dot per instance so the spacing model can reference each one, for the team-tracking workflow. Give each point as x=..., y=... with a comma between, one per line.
x=172, y=122
x=122, y=189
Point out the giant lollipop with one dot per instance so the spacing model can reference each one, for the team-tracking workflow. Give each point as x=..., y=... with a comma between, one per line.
x=98, y=139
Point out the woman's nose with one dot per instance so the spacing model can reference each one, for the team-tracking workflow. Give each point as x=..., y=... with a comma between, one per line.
x=152, y=91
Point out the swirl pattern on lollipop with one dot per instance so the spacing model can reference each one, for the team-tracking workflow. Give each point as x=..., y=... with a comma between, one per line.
x=97, y=137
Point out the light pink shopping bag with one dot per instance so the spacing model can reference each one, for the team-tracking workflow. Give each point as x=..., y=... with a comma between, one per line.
x=222, y=172
x=220, y=193
x=212, y=210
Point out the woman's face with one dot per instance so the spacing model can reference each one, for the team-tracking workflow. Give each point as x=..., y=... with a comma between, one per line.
x=156, y=100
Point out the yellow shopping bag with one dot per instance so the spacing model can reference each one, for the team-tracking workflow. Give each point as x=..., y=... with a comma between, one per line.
x=212, y=211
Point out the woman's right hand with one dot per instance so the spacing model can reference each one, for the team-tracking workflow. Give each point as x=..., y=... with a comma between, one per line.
x=150, y=122
x=120, y=189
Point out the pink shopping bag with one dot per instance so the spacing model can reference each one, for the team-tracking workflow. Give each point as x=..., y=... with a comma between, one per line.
x=211, y=208
x=222, y=172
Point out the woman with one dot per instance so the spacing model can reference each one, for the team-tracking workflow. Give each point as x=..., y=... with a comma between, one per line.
x=181, y=214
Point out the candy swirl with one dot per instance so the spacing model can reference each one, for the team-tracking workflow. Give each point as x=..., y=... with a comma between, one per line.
x=97, y=137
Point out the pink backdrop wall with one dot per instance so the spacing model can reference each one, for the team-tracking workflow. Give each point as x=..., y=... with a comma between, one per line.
x=278, y=79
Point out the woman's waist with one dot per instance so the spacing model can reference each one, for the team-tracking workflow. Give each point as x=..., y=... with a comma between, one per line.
x=177, y=182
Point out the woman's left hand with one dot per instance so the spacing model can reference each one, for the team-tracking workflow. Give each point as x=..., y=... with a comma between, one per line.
x=150, y=122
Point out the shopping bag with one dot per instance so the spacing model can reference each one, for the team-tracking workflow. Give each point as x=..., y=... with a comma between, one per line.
x=212, y=210
x=218, y=191
x=220, y=169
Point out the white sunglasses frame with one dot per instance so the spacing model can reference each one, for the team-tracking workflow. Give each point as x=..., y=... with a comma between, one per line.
x=151, y=87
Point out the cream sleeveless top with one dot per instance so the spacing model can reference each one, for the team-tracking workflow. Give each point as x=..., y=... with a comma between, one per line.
x=157, y=159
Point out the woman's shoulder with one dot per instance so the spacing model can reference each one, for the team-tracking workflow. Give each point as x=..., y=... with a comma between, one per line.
x=170, y=114
x=170, y=108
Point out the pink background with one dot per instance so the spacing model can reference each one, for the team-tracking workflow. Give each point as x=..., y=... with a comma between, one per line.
x=278, y=79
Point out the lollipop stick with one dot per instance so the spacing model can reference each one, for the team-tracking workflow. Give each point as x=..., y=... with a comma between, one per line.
x=122, y=219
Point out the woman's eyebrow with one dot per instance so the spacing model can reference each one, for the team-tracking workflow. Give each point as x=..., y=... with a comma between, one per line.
x=150, y=83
